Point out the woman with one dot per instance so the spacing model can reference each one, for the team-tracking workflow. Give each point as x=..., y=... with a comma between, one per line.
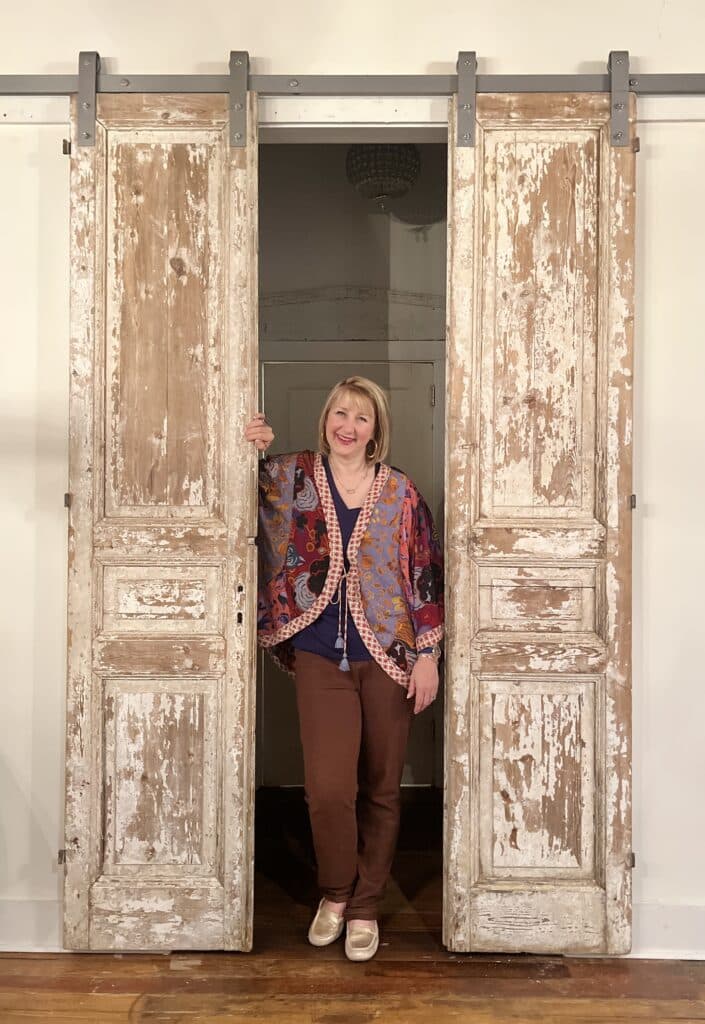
x=350, y=603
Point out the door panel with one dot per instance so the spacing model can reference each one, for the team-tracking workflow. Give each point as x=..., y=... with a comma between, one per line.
x=162, y=571
x=538, y=532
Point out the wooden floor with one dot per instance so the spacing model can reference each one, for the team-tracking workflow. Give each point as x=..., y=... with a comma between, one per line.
x=412, y=979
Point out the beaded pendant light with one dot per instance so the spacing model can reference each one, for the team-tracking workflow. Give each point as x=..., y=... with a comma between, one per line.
x=382, y=171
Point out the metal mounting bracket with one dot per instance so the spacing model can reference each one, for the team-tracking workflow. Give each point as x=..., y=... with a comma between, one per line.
x=467, y=97
x=88, y=67
x=239, y=75
x=618, y=67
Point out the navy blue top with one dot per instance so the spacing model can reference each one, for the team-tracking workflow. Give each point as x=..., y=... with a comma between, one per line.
x=320, y=636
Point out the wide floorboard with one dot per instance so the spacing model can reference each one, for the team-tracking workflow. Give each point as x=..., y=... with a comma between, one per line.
x=412, y=979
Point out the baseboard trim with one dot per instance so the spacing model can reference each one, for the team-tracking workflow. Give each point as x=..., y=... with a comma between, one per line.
x=661, y=931
x=668, y=931
x=30, y=926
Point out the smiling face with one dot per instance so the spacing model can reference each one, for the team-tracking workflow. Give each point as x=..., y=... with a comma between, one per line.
x=350, y=425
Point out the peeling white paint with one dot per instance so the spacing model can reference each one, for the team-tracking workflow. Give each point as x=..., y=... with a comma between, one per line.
x=537, y=531
x=161, y=688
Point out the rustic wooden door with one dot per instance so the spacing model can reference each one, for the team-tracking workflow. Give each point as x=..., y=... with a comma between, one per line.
x=537, y=832
x=162, y=559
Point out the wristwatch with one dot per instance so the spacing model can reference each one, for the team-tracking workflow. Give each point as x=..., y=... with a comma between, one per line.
x=431, y=652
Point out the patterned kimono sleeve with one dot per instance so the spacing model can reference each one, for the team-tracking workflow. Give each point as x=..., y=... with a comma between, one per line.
x=422, y=566
x=276, y=491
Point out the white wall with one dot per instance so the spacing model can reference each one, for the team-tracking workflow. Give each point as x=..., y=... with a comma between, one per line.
x=33, y=467
x=669, y=553
x=510, y=36
x=360, y=37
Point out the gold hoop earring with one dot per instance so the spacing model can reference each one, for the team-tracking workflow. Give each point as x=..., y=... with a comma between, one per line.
x=373, y=454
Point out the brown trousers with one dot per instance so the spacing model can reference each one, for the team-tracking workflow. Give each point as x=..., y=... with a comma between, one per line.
x=354, y=729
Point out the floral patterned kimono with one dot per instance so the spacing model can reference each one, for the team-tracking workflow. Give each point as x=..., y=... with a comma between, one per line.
x=395, y=581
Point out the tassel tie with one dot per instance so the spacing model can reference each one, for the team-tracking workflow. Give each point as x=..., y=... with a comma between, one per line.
x=341, y=643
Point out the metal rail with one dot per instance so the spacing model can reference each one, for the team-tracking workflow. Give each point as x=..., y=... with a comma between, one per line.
x=351, y=85
x=89, y=82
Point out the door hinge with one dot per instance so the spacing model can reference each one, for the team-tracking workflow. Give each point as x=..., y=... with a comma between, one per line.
x=433, y=394
x=66, y=147
x=61, y=857
x=632, y=501
x=631, y=859
x=636, y=144
x=67, y=500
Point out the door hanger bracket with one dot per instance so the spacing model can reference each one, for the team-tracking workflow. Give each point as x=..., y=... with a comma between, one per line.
x=618, y=67
x=88, y=68
x=239, y=75
x=467, y=97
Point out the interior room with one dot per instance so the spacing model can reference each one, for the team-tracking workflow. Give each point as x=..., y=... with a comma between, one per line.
x=536, y=320
x=352, y=272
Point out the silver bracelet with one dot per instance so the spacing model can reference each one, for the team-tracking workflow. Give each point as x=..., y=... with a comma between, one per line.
x=434, y=652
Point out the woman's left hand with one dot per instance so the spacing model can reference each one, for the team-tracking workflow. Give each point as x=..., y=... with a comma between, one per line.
x=423, y=683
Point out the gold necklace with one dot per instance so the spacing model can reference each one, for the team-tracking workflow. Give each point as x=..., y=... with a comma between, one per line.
x=348, y=490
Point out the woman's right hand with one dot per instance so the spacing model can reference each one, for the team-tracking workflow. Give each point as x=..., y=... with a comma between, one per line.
x=259, y=432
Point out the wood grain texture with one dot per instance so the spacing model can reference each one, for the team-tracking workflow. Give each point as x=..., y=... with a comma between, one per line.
x=461, y=763
x=161, y=733
x=165, y=221
x=614, y=509
x=161, y=579
x=412, y=977
x=239, y=711
x=538, y=394
x=534, y=819
x=536, y=597
x=540, y=316
x=85, y=298
x=183, y=598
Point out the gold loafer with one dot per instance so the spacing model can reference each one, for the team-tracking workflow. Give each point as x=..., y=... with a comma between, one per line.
x=326, y=927
x=361, y=941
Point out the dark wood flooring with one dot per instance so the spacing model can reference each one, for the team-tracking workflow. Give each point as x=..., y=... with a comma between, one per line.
x=412, y=979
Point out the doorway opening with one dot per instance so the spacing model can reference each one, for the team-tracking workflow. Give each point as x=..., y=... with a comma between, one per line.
x=347, y=286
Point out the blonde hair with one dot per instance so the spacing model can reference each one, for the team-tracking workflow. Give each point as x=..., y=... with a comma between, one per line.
x=360, y=388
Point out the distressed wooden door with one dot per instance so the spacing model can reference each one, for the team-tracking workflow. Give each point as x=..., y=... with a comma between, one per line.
x=162, y=559
x=537, y=833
